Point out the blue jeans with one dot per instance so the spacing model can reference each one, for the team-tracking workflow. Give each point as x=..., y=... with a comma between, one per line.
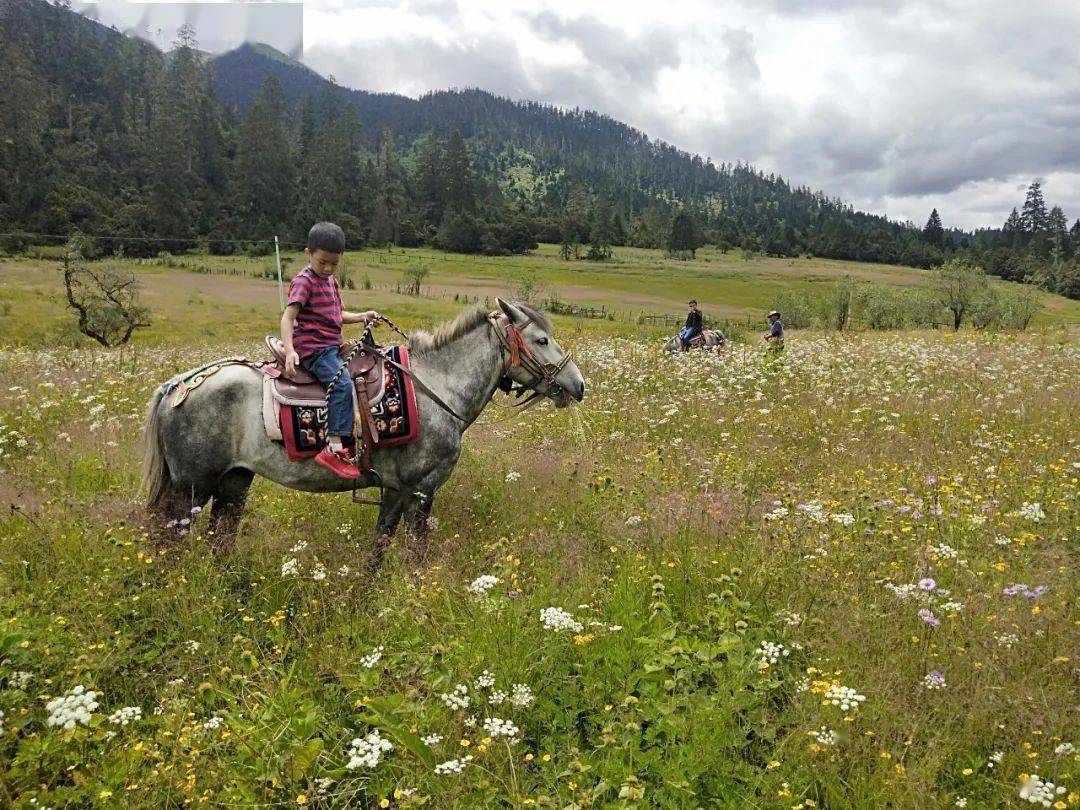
x=686, y=334
x=324, y=365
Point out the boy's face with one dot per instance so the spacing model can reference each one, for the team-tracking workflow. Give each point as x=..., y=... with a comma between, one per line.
x=323, y=262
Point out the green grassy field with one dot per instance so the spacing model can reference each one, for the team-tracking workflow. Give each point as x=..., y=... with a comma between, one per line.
x=230, y=297
x=844, y=580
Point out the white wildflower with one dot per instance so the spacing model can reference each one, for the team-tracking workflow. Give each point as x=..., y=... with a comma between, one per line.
x=298, y=547
x=825, y=736
x=128, y=714
x=512, y=476
x=843, y=518
x=431, y=739
x=457, y=699
x=290, y=568
x=770, y=653
x=1035, y=791
x=1031, y=511
x=318, y=571
x=370, y=660
x=778, y=513
x=485, y=681
x=191, y=646
x=521, y=695
x=790, y=618
x=1064, y=749
x=367, y=751
x=482, y=584
x=500, y=728
x=845, y=697
x=453, y=766
x=557, y=619
x=75, y=707
x=497, y=697
x=20, y=679
x=934, y=680
x=213, y=723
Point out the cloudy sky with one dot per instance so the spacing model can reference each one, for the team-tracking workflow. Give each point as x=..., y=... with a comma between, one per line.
x=895, y=106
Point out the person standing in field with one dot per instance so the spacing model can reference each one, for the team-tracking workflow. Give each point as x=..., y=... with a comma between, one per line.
x=774, y=336
x=695, y=324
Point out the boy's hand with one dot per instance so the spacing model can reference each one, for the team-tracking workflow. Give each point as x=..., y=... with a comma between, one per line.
x=292, y=360
x=371, y=315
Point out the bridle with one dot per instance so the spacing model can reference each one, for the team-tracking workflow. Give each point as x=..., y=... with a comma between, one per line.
x=519, y=355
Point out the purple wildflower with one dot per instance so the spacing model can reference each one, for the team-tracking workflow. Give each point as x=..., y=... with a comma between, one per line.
x=927, y=584
x=928, y=616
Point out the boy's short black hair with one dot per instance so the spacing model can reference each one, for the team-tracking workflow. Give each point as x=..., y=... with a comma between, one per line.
x=326, y=236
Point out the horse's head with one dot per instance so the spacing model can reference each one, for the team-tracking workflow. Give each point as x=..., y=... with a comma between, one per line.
x=536, y=361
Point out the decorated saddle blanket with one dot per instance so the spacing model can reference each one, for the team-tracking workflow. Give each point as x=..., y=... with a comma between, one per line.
x=302, y=426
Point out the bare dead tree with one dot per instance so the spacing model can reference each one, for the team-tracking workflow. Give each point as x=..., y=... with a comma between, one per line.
x=106, y=299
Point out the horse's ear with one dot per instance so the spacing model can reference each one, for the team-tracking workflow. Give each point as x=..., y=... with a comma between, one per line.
x=515, y=315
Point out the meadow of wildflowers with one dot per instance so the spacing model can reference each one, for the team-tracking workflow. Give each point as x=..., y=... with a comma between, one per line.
x=846, y=579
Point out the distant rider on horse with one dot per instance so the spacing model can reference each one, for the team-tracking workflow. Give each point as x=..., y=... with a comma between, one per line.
x=694, y=326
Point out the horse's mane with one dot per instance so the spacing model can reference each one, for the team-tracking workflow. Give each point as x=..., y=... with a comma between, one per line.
x=468, y=320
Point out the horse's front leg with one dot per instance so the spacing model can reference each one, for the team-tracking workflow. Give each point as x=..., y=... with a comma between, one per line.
x=418, y=522
x=390, y=512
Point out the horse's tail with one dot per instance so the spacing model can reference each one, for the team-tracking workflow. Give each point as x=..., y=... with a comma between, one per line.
x=155, y=470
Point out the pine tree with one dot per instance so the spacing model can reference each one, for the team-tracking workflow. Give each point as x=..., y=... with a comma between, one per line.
x=175, y=185
x=575, y=214
x=458, y=176
x=1034, y=216
x=1013, y=229
x=934, y=233
x=683, y=240
x=264, y=178
x=601, y=233
x=1058, y=233
x=429, y=184
x=389, y=193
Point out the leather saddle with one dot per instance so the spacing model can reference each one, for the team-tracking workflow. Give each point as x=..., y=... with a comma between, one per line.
x=367, y=370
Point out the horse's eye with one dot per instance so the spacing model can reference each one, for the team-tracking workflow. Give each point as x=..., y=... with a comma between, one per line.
x=542, y=341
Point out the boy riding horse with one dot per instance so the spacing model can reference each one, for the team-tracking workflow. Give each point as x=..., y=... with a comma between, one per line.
x=694, y=326
x=311, y=332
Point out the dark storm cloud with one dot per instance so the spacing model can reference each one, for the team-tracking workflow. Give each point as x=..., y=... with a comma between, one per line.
x=635, y=59
x=740, y=60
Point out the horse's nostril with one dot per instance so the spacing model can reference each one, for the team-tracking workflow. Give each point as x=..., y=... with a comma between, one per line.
x=581, y=391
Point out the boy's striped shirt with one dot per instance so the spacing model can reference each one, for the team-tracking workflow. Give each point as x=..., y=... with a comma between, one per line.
x=318, y=324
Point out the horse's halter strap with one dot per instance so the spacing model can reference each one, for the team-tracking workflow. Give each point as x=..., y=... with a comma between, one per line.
x=519, y=355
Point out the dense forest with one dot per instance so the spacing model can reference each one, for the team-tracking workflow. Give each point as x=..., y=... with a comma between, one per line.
x=105, y=135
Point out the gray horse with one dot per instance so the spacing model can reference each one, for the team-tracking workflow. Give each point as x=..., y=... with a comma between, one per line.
x=213, y=445
x=710, y=340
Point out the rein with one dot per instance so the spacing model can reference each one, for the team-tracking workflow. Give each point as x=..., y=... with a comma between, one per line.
x=365, y=340
x=519, y=355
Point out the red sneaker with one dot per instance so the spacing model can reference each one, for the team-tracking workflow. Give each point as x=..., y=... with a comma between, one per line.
x=339, y=463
